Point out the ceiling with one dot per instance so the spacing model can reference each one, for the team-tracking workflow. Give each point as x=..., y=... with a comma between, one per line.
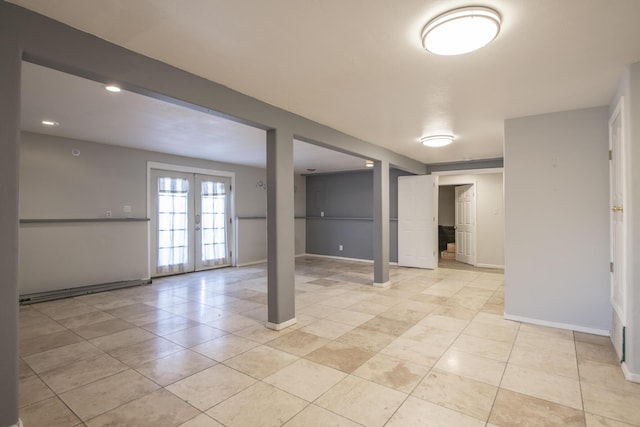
x=357, y=66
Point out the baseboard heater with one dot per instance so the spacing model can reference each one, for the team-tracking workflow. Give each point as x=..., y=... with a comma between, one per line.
x=80, y=290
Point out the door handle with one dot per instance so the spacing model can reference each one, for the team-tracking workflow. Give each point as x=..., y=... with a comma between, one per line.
x=616, y=209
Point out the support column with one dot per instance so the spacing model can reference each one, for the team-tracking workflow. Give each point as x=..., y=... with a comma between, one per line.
x=280, y=230
x=10, y=64
x=381, y=224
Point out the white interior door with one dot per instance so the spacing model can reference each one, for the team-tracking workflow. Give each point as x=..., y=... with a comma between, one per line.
x=466, y=224
x=617, y=183
x=417, y=221
x=189, y=221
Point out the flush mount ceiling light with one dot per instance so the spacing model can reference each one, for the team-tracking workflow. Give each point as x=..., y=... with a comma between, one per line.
x=461, y=30
x=436, y=140
x=368, y=163
x=112, y=88
x=49, y=123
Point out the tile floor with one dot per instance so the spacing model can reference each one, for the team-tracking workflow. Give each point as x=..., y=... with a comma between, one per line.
x=432, y=349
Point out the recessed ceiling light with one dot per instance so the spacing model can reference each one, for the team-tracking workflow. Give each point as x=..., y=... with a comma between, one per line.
x=461, y=30
x=112, y=88
x=368, y=163
x=49, y=123
x=436, y=140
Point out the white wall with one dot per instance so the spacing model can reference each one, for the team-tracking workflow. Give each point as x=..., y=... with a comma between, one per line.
x=56, y=184
x=489, y=215
x=556, y=217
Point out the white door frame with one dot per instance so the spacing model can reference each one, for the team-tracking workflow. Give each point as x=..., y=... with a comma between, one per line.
x=474, y=229
x=195, y=170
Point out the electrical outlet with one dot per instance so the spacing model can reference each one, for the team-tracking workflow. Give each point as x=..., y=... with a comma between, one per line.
x=340, y=248
x=108, y=214
x=126, y=208
x=321, y=213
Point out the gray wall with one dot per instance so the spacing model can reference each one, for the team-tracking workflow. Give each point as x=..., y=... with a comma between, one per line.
x=346, y=199
x=629, y=89
x=557, y=220
x=447, y=205
x=56, y=184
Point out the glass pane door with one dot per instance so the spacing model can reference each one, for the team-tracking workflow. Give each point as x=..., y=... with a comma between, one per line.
x=172, y=222
x=212, y=222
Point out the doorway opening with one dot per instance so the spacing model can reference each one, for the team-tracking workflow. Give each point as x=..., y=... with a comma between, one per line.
x=457, y=224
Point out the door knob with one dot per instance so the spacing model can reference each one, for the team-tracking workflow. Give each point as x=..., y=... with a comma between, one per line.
x=616, y=209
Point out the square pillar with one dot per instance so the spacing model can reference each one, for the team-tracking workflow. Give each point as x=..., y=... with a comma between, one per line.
x=280, y=230
x=381, y=224
x=10, y=65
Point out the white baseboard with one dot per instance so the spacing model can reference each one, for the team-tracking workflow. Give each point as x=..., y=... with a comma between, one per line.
x=281, y=326
x=245, y=264
x=382, y=285
x=631, y=376
x=481, y=265
x=367, y=261
x=566, y=326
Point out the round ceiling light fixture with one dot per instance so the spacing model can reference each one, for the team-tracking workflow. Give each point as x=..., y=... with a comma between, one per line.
x=112, y=88
x=49, y=123
x=436, y=140
x=368, y=163
x=461, y=30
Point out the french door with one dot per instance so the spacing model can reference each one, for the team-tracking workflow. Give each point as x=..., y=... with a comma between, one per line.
x=189, y=221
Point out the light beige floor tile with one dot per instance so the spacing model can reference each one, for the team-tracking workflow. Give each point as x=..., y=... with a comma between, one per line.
x=367, y=339
x=64, y=308
x=50, y=413
x=261, y=361
x=103, y=328
x=51, y=359
x=340, y=356
x=598, y=421
x=122, y=339
x=413, y=351
x=24, y=370
x=608, y=376
x=515, y=409
x=351, y=317
x=194, y=336
x=319, y=311
x=471, y=366
x=131, y=310
x=305, y=379
x=232, y=322
x=398, y=312
x=211, y=386
x=432, y=337
x=48, y=342
x=362, y=401
x=314, y=416
x=615, y=404
x=417, y=412
x=455, y=311
x=471, y=397
x=592, y=339
x=261, y=334
x=108, y=393
x=226, y=347
x=157, y=409
x=327, y=328
x=148, y=317
x=169, y=325
x=298, y=343
x=261, y=404
x=202, y=420
x=39, y=328
x=388, y=326
x=444, y=322
x=368, y=307
x=552, y=355
x=82, y=372
x=391, y=372
x=554, y=388
x=31, y=389
x=491, y=349
x=85, y=319
x=547, y=331
x=138, y=354
x=491, y=331
x=597, y=353
x=175, y=367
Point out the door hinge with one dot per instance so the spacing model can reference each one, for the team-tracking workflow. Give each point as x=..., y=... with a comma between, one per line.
x=610, y=154
x=230, y=189
x=230, y=220
x=611, y=267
